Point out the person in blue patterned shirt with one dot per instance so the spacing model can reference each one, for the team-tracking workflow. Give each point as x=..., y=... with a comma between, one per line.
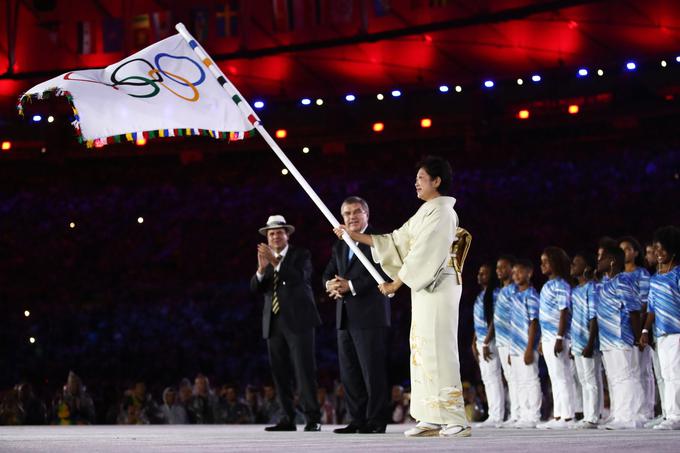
x=584, y=339
x=501, y=322
x=635, y=266
x=554, y=318
x=618, y=318
x=664, y=317
x=525, y=335
x=484, y=341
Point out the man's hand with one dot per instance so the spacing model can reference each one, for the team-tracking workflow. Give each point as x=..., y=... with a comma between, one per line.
x=268, y=254
x=486, y=352
x=261, y=260
x=559, y=347
x=339, y=285
x=644, y=341
x=528, y=356
x=588, y=351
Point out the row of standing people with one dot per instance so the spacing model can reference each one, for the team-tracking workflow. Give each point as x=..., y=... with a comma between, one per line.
x=591, y=314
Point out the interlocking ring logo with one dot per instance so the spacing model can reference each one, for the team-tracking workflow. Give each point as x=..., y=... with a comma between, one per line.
x=155, y=78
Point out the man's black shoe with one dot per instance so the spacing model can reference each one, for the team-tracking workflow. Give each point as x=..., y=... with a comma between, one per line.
x=313, y=427
x=370, y=428
x=282, y=426
x=349, y=429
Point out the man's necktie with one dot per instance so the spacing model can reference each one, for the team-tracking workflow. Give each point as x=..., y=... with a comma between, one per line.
x=275, y=296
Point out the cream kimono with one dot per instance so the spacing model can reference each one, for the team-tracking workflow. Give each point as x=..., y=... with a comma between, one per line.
x=419, y=254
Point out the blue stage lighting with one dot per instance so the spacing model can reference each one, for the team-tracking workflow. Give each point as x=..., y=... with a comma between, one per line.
x=582, y=72
x=396, y=93
x=631, y=66
x=258, y=104
x=488, y=83
x=444, y=88
x=350, y=98
x=37, y=118
x=306, y=101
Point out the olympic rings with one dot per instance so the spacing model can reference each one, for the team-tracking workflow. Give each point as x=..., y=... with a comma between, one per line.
x=181, y=57
x=157, y=74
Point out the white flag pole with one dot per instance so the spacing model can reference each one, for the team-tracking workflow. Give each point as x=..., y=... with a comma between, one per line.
x=255, y=121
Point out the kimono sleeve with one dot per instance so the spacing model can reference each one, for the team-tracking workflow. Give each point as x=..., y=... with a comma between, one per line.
x=430, y=248
x=390, y=249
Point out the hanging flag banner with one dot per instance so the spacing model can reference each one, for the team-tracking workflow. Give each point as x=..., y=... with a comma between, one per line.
x=164, y=90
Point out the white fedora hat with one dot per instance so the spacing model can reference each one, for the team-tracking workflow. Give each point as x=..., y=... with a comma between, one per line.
x=276, y=221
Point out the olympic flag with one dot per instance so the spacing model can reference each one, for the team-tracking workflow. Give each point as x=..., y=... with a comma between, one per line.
x=171, y=88
x=164, y=90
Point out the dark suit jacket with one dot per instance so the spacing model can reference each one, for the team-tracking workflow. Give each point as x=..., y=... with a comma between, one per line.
x=297, y=311
x=369, y=308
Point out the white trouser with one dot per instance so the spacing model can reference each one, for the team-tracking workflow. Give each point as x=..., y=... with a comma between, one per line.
x=590, y=375
x=562, y=383
x=659, y=380
x=644, y=364
x=528, y=388
x=625, y=392
x=669, y=359
x=493, y=382
x=578, y=390
x=503, y=353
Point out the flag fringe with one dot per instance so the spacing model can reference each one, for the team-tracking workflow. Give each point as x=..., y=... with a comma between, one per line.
x=130, y=136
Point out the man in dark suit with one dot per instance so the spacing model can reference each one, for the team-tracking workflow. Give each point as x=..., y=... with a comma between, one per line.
x=288, y=321
x=362, y=322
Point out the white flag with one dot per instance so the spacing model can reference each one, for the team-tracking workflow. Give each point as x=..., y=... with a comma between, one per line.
x=163, y=90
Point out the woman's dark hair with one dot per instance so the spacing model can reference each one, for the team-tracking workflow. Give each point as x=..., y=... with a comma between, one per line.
x=559, y=262
x=639, y=259
x=488, y=293
x=437, y=167
x=525, y=263
x=669, y=238
x=590, y=263
x=606, y=241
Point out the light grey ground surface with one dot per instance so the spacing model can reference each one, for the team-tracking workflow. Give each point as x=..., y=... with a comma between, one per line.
x=252, y=438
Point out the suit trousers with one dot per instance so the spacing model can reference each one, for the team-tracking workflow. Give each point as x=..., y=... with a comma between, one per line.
x=528, y=389
x=503, y=353
x=625, y=392
x=493, y=382
x=669, y=359
x=590, y=375
x=362, y=354
x=561, y=380
x=292, y=359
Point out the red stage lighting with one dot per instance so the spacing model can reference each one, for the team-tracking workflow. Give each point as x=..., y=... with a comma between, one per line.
x=281, y=133
x=523, y=114
x=573, y=109
x=6, y=146
x=426, y=122
x=378, y=127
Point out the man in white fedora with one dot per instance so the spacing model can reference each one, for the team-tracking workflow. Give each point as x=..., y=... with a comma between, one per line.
x=289, y=318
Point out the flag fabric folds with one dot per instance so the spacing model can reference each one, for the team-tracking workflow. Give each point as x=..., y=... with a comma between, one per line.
x=164, y=90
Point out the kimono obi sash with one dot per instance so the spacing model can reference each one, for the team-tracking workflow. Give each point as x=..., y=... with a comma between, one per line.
x=457, y=255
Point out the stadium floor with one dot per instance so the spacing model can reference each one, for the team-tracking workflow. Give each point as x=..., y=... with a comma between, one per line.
x=211, y=438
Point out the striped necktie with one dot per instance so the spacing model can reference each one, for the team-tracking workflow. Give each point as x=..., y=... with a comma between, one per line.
x=275, y=296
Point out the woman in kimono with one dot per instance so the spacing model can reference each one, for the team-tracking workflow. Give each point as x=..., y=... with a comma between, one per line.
x=418, y=255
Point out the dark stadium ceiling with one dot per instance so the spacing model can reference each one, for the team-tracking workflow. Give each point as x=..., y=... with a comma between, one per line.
x=293, y=48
